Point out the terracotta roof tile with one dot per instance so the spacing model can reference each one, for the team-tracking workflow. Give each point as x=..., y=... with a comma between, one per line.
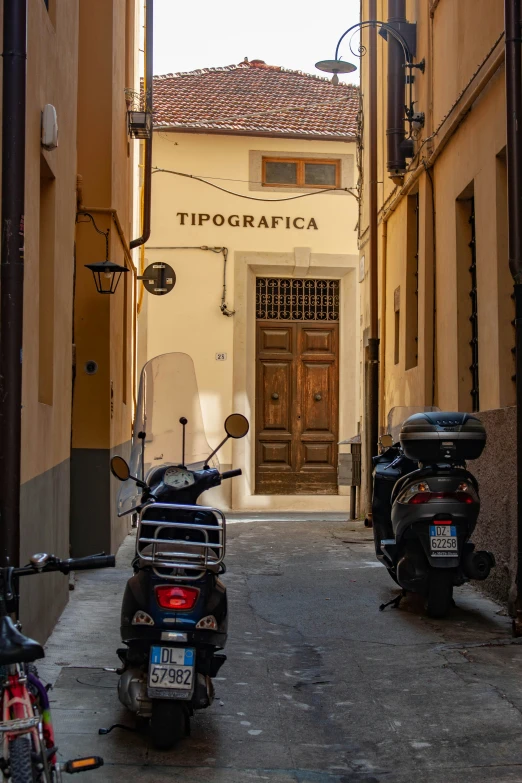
x=253, y=97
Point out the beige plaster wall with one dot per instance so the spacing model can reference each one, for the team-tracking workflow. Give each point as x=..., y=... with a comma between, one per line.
x=454, y=40
x=46, y=427
x=189, y=318
x=103, y=331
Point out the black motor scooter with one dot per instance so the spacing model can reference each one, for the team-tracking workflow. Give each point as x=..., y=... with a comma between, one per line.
x=174, y=612
x=426, y=504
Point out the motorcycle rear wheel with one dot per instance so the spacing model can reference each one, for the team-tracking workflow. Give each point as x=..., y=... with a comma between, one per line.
x=167, y=724
x=439, y=599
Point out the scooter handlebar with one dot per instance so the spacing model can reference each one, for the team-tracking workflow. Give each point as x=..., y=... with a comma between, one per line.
x=86, y=563
x=231, y=473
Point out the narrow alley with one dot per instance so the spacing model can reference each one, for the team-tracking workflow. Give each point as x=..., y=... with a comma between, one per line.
x=319, y=685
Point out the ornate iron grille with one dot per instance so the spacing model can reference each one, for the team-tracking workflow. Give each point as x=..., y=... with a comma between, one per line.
x=474, y=366
x=284, y=299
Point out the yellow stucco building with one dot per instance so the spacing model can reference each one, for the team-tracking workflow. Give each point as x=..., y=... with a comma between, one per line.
x=255, y=173
x=445, y=307
x=81, y=55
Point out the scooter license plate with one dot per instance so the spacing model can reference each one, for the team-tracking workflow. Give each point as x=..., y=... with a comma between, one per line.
x=443, y=541
x=171, y=668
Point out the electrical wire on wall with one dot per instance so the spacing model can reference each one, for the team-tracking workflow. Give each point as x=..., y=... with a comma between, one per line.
x=351, y=191
x=224, y=252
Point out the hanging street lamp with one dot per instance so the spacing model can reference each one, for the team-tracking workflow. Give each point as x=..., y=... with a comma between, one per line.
x=106, y=273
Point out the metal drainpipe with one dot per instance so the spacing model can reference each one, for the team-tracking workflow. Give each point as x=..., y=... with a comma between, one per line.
x=396, y=76
x=147, y=169
x=12, y=274
x=372, y=354
x=512, y=10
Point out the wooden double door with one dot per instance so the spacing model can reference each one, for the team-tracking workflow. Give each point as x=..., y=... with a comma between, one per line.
x=297, y=403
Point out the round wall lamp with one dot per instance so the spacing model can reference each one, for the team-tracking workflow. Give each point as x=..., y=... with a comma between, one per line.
x=335, y=67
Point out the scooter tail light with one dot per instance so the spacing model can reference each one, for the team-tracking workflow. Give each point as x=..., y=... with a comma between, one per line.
x=207, y=624
x=414, y=491
x=177, y=598
x=428, y=497
x=142, y=618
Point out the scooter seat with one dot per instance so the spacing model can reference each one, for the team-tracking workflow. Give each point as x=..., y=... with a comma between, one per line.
x=15, y=647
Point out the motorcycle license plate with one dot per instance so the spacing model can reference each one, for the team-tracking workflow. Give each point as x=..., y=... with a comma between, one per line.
x=172, y=668
x=443, y=541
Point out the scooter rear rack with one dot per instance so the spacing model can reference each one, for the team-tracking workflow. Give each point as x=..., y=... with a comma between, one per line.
x=192, y=558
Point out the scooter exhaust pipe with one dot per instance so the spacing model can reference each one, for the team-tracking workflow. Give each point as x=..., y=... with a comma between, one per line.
x=477, y=565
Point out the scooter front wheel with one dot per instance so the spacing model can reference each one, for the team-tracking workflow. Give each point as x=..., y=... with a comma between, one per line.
x=168, y=723
x=439, y=599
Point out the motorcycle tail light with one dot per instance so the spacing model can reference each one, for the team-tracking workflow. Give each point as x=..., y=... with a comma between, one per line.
x=142, y=618
x=207, y=624
x=178, y=598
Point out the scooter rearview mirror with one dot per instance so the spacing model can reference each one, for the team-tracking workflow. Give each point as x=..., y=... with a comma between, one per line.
x=120, y=469
x=386, y=441
x=236, y=426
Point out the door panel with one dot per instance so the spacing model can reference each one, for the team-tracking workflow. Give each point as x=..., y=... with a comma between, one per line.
x=317, y=340
x=316, y=394
x=297, y=408
x=317, y=454
x=275, y=404
x=276, y=340
x=276, y=385
x=276, y=453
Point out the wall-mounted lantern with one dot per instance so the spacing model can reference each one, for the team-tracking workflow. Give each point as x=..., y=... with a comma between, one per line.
x=139, y=115
x=139, y=124
x=106, y=273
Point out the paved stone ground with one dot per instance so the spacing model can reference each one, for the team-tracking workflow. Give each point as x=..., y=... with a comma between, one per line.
x=319, y=687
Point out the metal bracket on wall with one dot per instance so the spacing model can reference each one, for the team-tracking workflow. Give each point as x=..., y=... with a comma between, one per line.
x=408, y=30
x=224, y=252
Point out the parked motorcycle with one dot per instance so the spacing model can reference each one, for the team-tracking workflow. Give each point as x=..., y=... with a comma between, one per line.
x=174, y=612
x=28, y=750
x=426, y=504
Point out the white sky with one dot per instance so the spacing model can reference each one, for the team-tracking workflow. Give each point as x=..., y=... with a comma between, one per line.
x=292, y=33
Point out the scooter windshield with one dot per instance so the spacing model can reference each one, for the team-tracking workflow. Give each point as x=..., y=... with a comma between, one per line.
x=168, y=392
x=398, y=415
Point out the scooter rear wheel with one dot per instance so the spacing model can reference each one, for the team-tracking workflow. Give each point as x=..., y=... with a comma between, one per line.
x=167, y=724
x=439, y=599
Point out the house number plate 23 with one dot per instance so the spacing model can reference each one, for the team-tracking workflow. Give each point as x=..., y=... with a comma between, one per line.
x=221, y=357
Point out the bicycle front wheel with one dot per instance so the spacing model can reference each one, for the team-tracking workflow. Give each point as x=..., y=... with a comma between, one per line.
x=20, y=761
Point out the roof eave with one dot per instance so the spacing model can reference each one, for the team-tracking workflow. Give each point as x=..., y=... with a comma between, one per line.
x=271, y=134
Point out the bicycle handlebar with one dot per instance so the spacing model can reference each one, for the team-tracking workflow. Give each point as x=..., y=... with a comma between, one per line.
x=65, y=566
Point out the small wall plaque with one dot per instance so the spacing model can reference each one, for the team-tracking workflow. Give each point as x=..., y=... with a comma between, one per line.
x=221, y=357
